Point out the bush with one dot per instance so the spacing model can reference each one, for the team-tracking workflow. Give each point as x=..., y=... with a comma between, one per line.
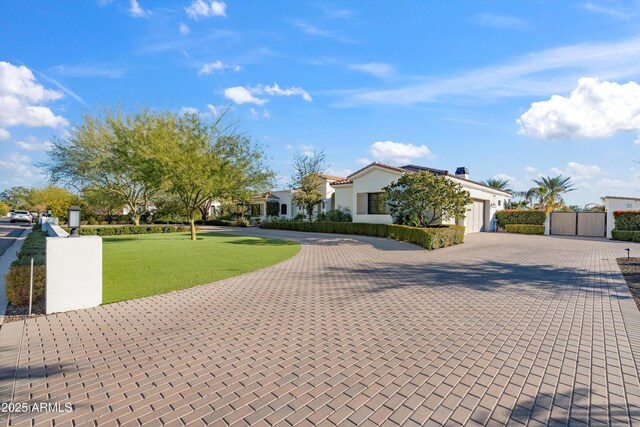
x=130, y=229
x=520, y=217
x=226, y=223
x=627, y=220
x=17, y=279
x=626, y=235
x=524, y=228
x=429, y=238
x=335, y=215
x=16, y=283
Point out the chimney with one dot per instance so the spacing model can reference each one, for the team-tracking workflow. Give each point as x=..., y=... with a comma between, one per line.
x=462, y=172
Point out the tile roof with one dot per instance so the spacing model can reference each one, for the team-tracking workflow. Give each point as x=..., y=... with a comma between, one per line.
x=332, y=177
x=412, y=169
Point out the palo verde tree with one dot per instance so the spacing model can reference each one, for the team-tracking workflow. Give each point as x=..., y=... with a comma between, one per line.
x=203, y=161
x=423, y=199
x=242, y=173
x=114, y=155
x=307, y=180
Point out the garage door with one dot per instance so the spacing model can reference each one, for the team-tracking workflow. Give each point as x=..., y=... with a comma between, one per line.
x=475, y=217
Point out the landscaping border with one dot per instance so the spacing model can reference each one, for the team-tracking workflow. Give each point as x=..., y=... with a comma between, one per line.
x=429, y=238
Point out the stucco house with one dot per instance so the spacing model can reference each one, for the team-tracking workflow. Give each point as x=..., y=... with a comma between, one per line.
x=361, y=193
x=284, y=200
x=618, y=203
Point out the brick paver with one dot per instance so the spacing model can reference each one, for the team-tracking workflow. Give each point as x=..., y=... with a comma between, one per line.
x=505, y=329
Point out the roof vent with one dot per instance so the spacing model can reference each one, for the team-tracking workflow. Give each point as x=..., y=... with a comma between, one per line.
x=462, y=172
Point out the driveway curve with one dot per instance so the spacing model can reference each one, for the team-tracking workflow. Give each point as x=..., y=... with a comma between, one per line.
x=505, y=329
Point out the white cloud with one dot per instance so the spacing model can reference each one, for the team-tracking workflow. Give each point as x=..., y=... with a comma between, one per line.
x=530, y=169
x=500, y=21
x=594, y=109
x=276, y=90
x=616, y=11
x=184, y=29
x=376, y=69
x=312, y=30
x=32, y=143
x=363, y=161
x=188, y=110
x=21, y=96
x=397, y=153
x=4, y=134
x=216, y=66
x=88, y=71
x=17, y=169
x=137, y=11
x=241, y=95
x=538, y=73
x=637, y=140
x=200, y=8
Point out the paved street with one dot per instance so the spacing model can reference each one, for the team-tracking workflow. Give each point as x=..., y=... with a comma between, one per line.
x=527, y=330
x=9, y=233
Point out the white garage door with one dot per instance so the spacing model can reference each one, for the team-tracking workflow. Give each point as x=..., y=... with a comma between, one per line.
x=475, y=217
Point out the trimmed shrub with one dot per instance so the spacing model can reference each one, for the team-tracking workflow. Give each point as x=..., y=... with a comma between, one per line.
x=626, y=235
x=520, y=217
x=524, y=228
x=17, y=283
x=130, y=229
x=627, y=220
x=335, y=215
x=428, y=238
x=17, y=279
x=226, y=223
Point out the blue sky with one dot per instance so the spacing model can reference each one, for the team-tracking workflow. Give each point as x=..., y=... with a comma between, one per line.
x=508, y=89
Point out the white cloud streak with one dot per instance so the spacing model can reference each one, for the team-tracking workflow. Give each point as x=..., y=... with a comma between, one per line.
x=137, y=11
x=375, y=69
x=538, y=73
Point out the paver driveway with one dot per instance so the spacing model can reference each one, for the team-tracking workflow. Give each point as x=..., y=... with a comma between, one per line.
x=353, y=331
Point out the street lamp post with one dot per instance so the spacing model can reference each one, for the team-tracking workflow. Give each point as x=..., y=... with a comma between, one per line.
x=74, y=220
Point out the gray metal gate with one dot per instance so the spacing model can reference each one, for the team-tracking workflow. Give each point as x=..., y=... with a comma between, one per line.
x=587, y=224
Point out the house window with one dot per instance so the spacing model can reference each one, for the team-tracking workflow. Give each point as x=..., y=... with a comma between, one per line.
x=499, y=202
x=629, y=205
x=283, y=209
x=377, y=204
x=255, y=210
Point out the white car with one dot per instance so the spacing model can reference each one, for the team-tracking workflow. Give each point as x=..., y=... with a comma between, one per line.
x=21, y=216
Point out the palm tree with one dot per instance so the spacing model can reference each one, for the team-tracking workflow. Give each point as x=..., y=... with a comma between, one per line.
x=549, y=191
x=497, y=183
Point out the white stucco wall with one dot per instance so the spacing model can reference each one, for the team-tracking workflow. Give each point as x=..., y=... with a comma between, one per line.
x=372, y=180
x=74, y=273
x=376, y=178
x=612, y=204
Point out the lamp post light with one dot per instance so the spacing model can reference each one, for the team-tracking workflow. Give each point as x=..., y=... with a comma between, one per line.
x=628, y=254
x=74, y=220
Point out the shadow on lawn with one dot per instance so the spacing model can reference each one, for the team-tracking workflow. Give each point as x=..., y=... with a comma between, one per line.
x=485, y=276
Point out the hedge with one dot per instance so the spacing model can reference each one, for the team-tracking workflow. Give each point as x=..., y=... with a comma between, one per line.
x=524, y=228
x=18, y=277
x=428, y=238
x=129, y=229
x=627, y=220
x=520, y=217
x=226, y=223
x=626, y=235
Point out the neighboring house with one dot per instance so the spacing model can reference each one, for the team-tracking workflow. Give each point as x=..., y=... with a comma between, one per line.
x=284, y=199
x=140, y=209
x=617, y=203
x=361, y=193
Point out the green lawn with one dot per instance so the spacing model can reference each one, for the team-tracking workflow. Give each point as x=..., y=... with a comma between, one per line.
x=136, y=266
